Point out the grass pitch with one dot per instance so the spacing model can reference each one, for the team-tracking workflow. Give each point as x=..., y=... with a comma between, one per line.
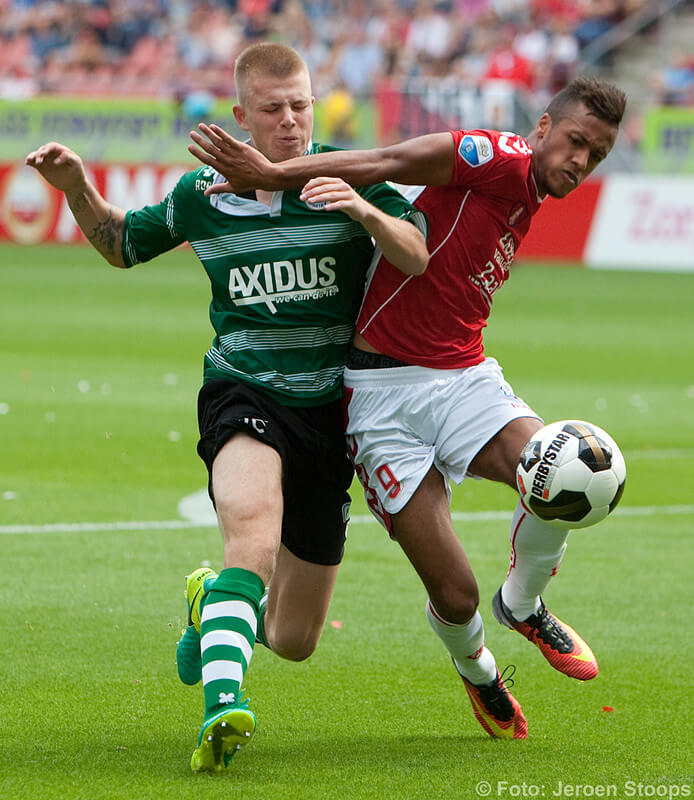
x=100, y=370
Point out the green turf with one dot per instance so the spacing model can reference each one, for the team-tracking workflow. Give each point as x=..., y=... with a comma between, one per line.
x=100, y=370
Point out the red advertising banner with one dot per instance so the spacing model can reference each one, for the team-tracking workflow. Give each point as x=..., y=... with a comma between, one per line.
x=32, y=212
x=560, y=229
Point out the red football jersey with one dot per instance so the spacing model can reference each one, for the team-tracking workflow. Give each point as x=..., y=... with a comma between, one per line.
x=475, y=227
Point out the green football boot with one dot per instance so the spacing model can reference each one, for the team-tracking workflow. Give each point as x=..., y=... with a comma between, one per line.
x=198, y=583
x=188, y=658
x=221, y=736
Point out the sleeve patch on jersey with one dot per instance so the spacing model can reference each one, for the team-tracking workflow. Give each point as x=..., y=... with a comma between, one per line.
x=476, y=150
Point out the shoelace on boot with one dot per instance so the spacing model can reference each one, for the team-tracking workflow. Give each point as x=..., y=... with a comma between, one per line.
x=495, y=695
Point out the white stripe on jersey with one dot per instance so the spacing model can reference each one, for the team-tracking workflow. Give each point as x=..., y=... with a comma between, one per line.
x=385, y=303
x=297, y=382
x=170, y=215
x=285, y=339
x=411, y=196
x=452, y=228
x=269, y=239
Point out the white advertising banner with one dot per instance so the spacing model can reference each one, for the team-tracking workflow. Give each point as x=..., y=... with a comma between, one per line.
x=643, y=222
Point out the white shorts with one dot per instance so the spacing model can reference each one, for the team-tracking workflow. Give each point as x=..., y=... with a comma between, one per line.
x=402, y=420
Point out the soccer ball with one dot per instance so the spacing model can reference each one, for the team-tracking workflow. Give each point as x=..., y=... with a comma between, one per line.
x=571, y=473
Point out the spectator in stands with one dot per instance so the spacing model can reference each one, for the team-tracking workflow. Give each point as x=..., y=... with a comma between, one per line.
x=596, y=19
x=389, y=26
x=506, y=64
x=430, y=32
x=674, y=86
x=358, y=62
x=300, y=33
x=174, y=47
x=337, y=112
x=563, y=54
x=531, y=42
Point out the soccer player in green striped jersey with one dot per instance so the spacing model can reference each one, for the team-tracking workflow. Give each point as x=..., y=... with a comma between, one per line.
x=287, y=280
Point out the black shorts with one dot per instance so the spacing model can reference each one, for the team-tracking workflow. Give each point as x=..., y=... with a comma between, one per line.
x=316, y=472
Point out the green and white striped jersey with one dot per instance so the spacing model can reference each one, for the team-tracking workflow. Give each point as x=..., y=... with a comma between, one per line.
x=287, y=280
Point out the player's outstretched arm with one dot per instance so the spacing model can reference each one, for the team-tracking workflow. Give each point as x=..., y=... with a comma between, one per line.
x=401, y=242
x=426, y=160
x=243, y=166
x=100, y=222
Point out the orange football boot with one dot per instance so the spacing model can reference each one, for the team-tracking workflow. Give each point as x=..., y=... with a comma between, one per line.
x=558, y=642
x=495, y=708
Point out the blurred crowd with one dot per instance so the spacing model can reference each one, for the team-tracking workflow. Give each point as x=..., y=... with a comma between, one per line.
x=182, y=47
x=674, y=84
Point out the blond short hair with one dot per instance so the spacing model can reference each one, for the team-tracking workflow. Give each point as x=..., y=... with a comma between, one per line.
x=266, y=58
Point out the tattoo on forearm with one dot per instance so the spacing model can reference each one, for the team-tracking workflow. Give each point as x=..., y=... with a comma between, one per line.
x=79, y=203
x=107, y=235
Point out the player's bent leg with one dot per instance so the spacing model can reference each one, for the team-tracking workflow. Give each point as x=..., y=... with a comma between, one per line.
x=424, y=530
x=247, y=486
x=297, y=605
x=537, y=548
x=497, y=711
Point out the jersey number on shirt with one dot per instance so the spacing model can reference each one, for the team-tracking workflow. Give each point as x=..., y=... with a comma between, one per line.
x=513, y=145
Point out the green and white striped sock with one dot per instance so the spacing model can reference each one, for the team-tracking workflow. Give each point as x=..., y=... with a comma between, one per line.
x=228, y=625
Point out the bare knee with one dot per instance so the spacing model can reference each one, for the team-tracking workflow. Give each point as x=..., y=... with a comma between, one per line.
x=292, y=646
x=455, y=602
x=251, y=535
x=498, y=459
x=237, y=512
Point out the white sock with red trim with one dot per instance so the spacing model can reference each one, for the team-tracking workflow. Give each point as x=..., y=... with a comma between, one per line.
x=537, y=549
x=465, y=643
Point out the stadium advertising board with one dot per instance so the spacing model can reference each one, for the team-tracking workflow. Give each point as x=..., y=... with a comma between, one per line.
x=619, y=222
x=643, y=222
x=668, y=140
x=32, y=212
x=560, y=228
x=127, y=131
x=639, y=222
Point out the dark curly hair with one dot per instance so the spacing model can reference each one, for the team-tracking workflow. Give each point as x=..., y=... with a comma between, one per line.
x=603, y=100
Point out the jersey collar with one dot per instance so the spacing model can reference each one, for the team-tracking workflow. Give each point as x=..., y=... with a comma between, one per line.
x=232, y=204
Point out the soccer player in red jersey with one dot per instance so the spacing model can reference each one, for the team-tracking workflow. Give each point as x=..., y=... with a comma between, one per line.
x=424, y=404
